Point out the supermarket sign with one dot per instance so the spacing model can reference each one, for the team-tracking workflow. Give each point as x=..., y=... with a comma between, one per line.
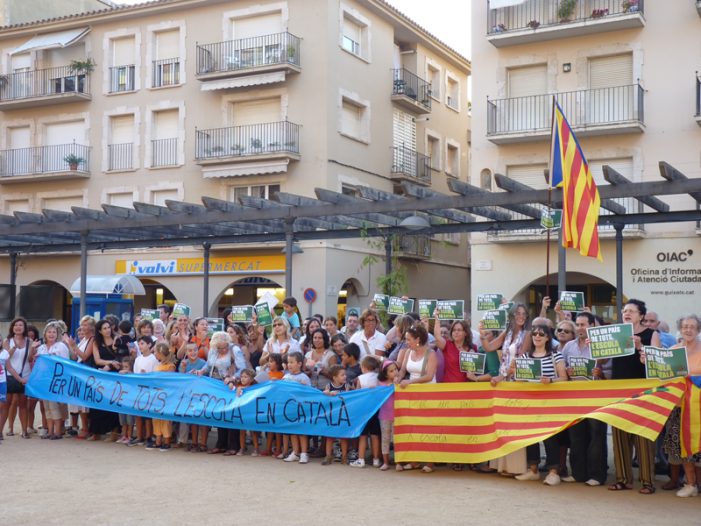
x=195, y=266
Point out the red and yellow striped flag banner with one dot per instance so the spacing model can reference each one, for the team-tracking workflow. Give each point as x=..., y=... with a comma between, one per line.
x=475, y=422
x=691, y=418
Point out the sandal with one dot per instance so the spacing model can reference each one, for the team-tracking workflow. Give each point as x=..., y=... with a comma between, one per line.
x=619, y=486
x=26, y=435
x=670, y=486
x=215, y=451
x=457, y=467
x=398, y=467
x=408, y=467
x=427, y=469
x=202, y=449
x=647, y=489
x=229, y=453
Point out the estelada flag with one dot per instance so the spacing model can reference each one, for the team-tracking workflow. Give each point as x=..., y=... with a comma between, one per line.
x=580, y=198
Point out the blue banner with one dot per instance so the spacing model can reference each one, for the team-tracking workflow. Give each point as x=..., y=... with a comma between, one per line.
x=280, y=407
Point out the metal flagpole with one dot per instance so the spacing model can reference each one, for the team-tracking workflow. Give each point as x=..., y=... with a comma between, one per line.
x=548, y=179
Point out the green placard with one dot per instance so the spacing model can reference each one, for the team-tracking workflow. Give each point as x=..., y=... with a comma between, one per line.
x=572, y=301
x=265, y=316
x=489, y=301
x=472, y=362
x=528, y=369
x=399, y=306
x=180, y=309
x=427, y=308
x=583, y=367
x=494, y=320
x=242, y=313
x=550, y=218
x=150, y=314
x=665, y=363
x=214, y=325
x=506, y=306
x=611, y=341
x=450, y=309
x=381, y=301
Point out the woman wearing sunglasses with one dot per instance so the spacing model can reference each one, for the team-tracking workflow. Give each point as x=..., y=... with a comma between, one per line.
x=552, y=370
x=280, y=341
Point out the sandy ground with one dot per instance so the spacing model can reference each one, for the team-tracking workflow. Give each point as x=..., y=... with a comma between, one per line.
x=70, y=481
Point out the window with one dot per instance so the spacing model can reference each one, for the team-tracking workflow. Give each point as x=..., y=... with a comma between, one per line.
x=62, y=139
x=452, y=88
x=404, y=130
x=62, y=204
x=623, y=166
x=433, y=150
x=264, y=191
x=257, y=26
x=433, y=74
x=347, y=189
x=120, y=150
x=354, y=121
x=245, y=113
x=355, y=33
x=16, y=205
x=124, y=199
x=527, y=109
x=612, y=96
x=122, y=71
x=452, y=160
x=159, y=197
x=166, y=66
x=529, y=174
x=164, y=142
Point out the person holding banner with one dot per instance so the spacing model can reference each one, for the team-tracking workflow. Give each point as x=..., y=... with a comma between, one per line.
x=56, y=413
x=552, y=370
x=512, y=341
x=19, y=347
x=689, y=327
x=280, y=341
x=82, y=351
x=102, y=422
x=460, y=340
x=179, y=334
x=632, y=367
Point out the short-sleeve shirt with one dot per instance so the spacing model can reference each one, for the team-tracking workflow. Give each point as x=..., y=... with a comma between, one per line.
x=145, y=364
x=57, y=349
x=548, y=364
x=300, y=378
x=293, y=320
x=371, y=345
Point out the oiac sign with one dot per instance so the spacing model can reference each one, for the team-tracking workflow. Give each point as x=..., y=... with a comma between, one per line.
x=152, y=267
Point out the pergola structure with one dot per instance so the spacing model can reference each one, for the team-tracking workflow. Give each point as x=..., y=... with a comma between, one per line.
x=331, y=215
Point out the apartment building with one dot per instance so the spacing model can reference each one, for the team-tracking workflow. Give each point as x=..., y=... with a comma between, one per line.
x=179, y=99
x=624, y=74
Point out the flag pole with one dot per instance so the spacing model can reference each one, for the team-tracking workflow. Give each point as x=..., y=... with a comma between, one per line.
x=548, y=178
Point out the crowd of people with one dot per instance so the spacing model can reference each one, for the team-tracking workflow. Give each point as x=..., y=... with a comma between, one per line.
x=361, y=354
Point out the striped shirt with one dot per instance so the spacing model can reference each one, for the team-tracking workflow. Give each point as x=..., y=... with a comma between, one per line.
x=547, y=364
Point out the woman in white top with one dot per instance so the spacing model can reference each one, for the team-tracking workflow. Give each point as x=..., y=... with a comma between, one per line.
x=56, y=413
x=420, y=363
x=83, y=354
x=280, y=341
x=19, y=348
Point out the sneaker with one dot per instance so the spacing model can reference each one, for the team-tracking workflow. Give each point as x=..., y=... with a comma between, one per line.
x=568, y=478
x=291, y=458
x=528, y=475
x=164, y=447
x=353, y=455
x=31, y=430
x=152, y=446
x=304, y=458
x=281, y=456
x=255, y=453
x=240, y=453
x=593, y=482
x=43, y=432
x=358, y=463
x=376, y=462
x=688, y=490
x=385, y=467
x=135, y=442
x=552, y=479
x=72, y=431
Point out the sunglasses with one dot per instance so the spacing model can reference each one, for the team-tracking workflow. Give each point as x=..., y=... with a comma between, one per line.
x=566, y=331
x=538, y=333
x=278, y=324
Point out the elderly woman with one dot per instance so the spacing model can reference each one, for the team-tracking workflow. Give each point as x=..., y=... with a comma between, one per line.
x=280, y=341
x=56, y=413
x=689, y=327
x=220, y=365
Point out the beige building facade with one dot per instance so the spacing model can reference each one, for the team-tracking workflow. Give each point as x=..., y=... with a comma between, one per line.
x=233, y=100
x=624, y=74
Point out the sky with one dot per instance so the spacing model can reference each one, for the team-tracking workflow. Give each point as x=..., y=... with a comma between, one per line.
x=449, y=20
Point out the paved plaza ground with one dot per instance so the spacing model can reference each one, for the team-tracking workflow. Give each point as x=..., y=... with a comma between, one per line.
x=74, y=482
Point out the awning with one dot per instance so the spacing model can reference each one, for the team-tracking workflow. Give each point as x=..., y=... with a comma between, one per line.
x=53, y=40
x=111, y=284
x=242, y=82
x=252, y=168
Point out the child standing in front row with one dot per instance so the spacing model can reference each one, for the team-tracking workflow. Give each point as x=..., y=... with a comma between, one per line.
x=190, y=365
x=275, y=372
x=144, y=363
x=367, y=380
x=126, y=421
x=386, y=376
x=300, y=443
x=247, y=379
x=337, y=386
x=163, y=429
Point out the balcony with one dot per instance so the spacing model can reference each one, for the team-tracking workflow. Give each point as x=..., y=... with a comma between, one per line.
x=698, y=99
x=632, y=206
x=164, y=152
x=44, y=163
x=413, y=247
x=698, y=7
x=122, y=78
x=602, y=111
x=165, y=73
x=267, y=58
x=541, y=20
x=42, y=87
x=411, y=92
x=120, y=157
x=247, y=150
x=410, y=165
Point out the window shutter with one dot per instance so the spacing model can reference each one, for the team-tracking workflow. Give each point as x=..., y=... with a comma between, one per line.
x=122, y=129
x=608, y=72
x=65, y=133
x=123, y=52
x=351, y=117
x=404, y=130
x=530, y=80
x=256, y=111
x=257, y=26
x=528, y=174
x=167, y=44
x=166, y=124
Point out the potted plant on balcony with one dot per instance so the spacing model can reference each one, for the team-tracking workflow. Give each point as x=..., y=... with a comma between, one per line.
x=566, y=10
x=256, y=144
x=291, y=52
x=599, y=13
x=73, y=161
x=630, y=6
x=82, y=66
x=499, y=28
x=237, y=149
x=533, y=24
x=217, y=149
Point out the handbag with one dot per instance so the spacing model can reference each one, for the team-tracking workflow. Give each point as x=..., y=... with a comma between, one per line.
x=13, y=385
